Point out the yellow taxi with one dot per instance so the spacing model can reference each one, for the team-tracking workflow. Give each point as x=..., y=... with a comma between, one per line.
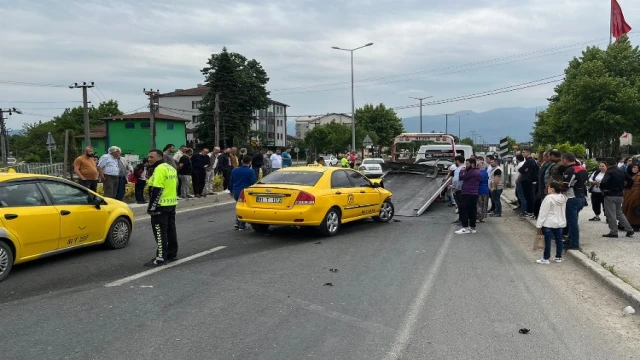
x=43, y=215
x=323, y=197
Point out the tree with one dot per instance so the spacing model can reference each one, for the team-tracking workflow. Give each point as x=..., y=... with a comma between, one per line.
x=241, y=84
x=378, y=120
x=31, y=145
x=333, y=138
x=467, y=141
x=598, y=100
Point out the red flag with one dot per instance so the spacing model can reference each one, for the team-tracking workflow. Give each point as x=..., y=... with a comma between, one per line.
x=619, y=26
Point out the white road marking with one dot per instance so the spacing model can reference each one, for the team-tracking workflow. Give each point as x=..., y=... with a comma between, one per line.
x=406, y=331
x=147, y=217
x=160, y=268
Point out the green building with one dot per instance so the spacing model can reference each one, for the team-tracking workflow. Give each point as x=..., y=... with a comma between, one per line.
x=132, y=133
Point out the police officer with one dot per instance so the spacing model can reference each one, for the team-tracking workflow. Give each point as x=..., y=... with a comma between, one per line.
x=163, y=199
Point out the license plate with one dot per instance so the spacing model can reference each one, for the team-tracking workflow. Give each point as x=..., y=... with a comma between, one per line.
x=269, y=200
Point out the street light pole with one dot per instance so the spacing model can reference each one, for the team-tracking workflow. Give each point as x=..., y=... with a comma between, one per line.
x=446, y=123
x=420, y=99
x=459, y=126
x=353, y=106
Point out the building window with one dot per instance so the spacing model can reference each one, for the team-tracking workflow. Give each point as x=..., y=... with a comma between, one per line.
x=195, y=104
x=195, y=119
x=169, y=126
x=130, y=125
x=145, y=124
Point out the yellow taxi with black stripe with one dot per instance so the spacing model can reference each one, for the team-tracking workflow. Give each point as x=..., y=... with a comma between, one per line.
x=43, y=215
x=318, y=196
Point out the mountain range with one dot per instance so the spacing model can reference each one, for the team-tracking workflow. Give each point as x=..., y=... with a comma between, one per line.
x=492, y=125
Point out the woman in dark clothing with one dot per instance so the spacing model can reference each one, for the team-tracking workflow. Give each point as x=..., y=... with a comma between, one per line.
x=140, y=174
x=631, y=197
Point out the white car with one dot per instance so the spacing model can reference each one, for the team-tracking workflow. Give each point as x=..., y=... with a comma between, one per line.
x=372, y=167
x=330, y=160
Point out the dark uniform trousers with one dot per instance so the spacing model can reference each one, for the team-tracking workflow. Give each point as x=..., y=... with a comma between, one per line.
x=163, y=223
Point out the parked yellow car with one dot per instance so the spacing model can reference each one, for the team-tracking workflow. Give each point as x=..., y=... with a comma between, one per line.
x=44, y=215
x=323, y=197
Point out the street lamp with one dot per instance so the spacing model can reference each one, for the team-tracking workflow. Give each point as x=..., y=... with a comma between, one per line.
x=459, y=127
x=353, y=107
x=446, y=122
x=420, y=99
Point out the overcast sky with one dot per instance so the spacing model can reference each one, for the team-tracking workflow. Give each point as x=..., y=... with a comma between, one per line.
x=125, y=46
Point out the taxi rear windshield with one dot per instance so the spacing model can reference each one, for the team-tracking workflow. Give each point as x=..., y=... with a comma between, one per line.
x=303, y=178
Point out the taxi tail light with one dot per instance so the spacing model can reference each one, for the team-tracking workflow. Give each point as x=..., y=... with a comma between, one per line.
x=241, y=197
x=304, y=198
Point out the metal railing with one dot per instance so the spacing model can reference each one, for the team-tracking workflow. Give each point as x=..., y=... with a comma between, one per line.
x=55, y=169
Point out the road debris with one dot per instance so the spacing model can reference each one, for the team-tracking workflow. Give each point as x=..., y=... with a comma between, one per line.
x=333, y=270
x=524, y=331
x=328, y=284
x=319, y=242
x=628, y=311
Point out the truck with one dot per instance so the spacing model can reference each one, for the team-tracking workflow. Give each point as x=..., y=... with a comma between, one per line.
x=417, y=181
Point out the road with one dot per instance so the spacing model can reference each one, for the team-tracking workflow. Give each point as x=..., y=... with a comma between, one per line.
x=403, y=290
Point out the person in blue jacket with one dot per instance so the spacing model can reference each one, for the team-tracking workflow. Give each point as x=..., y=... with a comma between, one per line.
x=483, y=195
x=241, y=178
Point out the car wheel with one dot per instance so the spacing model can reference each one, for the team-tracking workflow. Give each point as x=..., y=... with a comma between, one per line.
x=386, y=212
x=6, y=260
x=119, y=234
x=331, y=223
x=260, y=228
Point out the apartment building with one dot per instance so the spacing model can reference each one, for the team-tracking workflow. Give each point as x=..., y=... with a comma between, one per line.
x=271, y=122
x=305, y=123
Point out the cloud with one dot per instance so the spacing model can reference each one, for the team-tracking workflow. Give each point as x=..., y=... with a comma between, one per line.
x=125, y=46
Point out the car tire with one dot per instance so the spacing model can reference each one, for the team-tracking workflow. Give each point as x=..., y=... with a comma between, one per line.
x=331, y=223
x=260, y=228
x=119, y=234
x=386, y=212
x=6, y=260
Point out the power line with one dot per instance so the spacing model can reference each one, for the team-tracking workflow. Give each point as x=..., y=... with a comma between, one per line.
x=24, y=83
x=518, y=58
x=41, y=102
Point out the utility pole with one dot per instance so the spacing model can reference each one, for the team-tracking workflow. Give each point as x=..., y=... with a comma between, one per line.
x=420, y=99
x=446, y=122
x=87, y=131
x=3, y=132
x=152, y=94
x=216, y=119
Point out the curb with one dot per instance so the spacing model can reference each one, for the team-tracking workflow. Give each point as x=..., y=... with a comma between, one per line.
x=614, y=283
x=141, y=210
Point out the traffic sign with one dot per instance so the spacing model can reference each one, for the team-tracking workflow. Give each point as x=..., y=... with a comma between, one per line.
x=297, y=150
x=504, y=146
x=367, y=141
x=51, y=142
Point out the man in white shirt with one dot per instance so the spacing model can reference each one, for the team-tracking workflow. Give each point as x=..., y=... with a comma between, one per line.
x=276, y=160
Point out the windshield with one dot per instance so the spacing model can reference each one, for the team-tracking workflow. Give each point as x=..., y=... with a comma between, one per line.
x=372, y=161
x=304, y=178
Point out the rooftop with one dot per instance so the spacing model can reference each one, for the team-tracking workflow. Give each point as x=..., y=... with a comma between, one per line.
x=144, y=116
x=201, y=90
x=96, y=132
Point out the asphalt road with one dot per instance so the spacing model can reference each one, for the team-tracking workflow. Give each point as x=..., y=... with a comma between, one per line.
x=403, y=290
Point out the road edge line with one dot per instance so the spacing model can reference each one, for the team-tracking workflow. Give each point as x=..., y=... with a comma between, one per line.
x=164, y=267
x=614, y=283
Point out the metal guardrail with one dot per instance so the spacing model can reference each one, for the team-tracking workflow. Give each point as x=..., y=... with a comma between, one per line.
x=55, y=169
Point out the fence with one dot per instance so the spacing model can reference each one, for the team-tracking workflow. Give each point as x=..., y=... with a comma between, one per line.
x=56, y=169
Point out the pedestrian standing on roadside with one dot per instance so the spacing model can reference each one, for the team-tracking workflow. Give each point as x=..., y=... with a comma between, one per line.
x=162, y=208
x=287, y=161
x=496, y=185
x=483, y=195
x=456, y=184
x=258, y=161
x=574, y=179
x=276, y=160
x=612, y=187
x=597, y=197
x=241, y=178
x=185, y=169
x=199, y=163
x=140, y=175
x=110, y=170
x=224, y=167
x=86, y=169
x=551, y=221
x=470, y=178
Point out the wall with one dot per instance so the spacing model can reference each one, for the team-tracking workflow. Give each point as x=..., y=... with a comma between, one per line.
x=99, y=146
x=137, y=140
x=183, y=106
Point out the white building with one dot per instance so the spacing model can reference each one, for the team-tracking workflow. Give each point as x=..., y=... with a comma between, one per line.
x=305, y=123
x=185, y=103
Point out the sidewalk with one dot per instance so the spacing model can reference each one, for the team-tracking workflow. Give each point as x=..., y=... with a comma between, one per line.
x=219, y=197
x=603, y=256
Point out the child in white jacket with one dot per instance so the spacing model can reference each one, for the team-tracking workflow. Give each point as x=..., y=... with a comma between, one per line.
x=552, y=220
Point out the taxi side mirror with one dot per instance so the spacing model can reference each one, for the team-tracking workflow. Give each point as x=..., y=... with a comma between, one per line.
x=97, y=201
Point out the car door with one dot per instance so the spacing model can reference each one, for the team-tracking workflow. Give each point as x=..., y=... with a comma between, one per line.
x=25, y=213
x=80, y=221
x=344, y=193
x=366, y=196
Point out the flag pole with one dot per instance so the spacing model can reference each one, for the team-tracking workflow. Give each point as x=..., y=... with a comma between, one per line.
x=610, y=20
